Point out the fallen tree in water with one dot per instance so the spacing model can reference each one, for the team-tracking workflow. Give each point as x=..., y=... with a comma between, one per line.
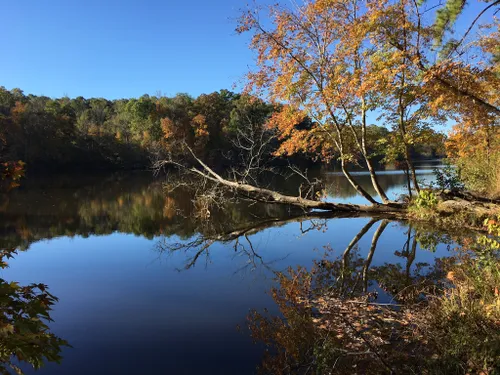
x=249, y=191
x=448, y=206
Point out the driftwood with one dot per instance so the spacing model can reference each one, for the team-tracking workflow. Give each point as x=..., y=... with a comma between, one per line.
x=264, y=195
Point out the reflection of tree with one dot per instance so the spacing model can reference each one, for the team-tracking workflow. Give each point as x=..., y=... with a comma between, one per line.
x=399, y=281
x=239, y=237
x=129, y=204
x=24, y=333
x=331, y=322
x=134, y=204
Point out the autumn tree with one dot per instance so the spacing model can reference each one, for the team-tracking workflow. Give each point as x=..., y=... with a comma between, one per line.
x=464, y=73
x=343, y=62
x=474, y=140
x=318, y=60
x=215, y=108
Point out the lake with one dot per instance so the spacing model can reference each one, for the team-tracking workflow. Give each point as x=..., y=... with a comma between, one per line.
x=143, y=287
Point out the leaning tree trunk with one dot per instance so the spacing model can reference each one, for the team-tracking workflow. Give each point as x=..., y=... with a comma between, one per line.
x=380, y=191
x=356, y=186
x=411, y=168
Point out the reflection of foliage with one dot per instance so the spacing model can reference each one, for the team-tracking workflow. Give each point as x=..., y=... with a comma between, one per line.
x=330, y=321
x=464, y=321
x=430, y=239
x=24, y=334
x=10, y=174
x=321, y=334
x=134, y=204
x=410, y=286
x=329, y=324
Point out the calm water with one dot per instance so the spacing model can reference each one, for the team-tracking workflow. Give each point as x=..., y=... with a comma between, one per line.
x=133, y=300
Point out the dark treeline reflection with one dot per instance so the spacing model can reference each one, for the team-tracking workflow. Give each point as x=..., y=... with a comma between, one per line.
x=134, y=203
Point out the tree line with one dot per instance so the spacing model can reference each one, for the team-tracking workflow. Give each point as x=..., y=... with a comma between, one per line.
x=57, y=133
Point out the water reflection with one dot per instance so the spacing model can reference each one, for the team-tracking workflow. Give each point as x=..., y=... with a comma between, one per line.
x=138, y=204
x=111, y=248
x=134, y=204
x=25, y=337
x=394, y=183
x=344, y=315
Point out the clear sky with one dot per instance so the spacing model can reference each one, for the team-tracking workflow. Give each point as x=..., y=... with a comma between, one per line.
x=124, y=48
x=121, y=48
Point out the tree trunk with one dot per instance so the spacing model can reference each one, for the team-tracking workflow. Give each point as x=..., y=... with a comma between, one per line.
x=408, y=180
x=356, y=186
x=270, y=196
x=369, y=258
x=380, y=191
x=411, y=168
x=364, y=151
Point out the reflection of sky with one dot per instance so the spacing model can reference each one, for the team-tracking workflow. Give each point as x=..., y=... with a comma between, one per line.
x=126, y=309
x=392, y=181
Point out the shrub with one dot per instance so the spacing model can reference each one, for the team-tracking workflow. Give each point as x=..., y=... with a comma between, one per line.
x=426, y=199
x=481, y=172
x=448, y=177
x=463, y=322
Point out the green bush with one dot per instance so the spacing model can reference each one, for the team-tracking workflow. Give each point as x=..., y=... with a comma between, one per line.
x=426, y=199
x=448, y=177
x=481, y=172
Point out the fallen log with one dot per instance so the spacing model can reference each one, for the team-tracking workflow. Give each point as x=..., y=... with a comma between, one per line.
x=467, y=196
x=264, y=195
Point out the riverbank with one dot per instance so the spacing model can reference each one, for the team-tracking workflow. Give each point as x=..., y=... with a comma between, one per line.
x=451, y=210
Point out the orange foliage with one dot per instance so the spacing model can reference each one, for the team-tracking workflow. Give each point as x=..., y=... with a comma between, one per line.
x=11, y=172
x=167, y=126
x=17, y=112
x=200, y=128
x=468, y=138
x=338, y=60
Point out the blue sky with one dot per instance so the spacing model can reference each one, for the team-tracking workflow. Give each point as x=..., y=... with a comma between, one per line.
x=123, y=48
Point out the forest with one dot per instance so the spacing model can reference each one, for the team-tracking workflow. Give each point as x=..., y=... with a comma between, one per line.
x=64, y=133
